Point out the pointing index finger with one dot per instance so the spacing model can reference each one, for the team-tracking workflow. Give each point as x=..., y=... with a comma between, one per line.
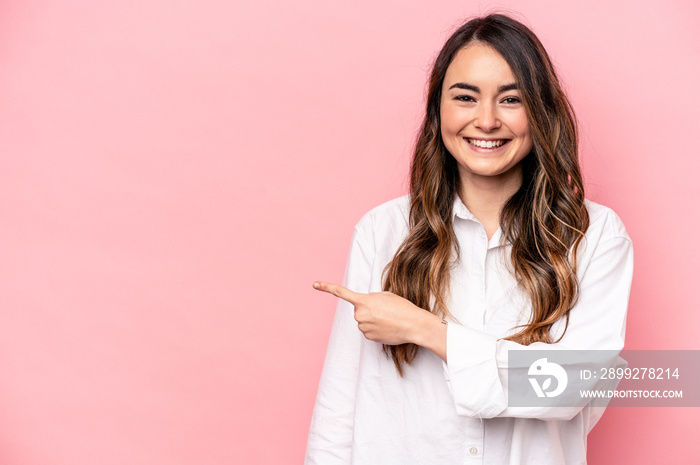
x=338, y=291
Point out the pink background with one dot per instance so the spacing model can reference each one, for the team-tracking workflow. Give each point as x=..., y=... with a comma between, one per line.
x=175, y=174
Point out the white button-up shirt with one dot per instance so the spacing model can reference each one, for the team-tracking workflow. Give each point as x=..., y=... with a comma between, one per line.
x=456, y=412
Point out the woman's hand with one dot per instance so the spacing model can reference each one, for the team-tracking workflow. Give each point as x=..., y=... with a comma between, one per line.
x=389, y=319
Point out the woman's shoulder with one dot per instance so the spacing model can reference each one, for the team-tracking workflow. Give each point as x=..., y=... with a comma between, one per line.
x=390, y=214
x=390, y=219
x=604, y=222
x=386, y=225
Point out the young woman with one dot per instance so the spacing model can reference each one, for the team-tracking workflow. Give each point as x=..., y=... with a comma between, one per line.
x=494, y=249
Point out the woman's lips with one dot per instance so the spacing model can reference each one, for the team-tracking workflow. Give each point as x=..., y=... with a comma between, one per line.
x=487, y=144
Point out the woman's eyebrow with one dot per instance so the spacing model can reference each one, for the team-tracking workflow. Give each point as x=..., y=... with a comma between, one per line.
x=506, y=87
x=465, y=86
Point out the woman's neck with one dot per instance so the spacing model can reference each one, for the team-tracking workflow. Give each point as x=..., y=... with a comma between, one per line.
x=485, y=196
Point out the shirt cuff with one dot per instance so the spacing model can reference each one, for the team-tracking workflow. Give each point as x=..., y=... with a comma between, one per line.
x=471, y=372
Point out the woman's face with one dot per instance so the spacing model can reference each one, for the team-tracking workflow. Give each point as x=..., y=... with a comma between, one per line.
x=483, y=121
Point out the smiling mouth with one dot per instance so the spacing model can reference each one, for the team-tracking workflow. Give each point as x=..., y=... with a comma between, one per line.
x=487, y=144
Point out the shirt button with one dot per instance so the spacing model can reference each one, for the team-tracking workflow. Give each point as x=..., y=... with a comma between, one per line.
x=473, y=451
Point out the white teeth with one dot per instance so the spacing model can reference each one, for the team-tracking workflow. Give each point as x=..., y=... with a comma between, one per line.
x=487, y=144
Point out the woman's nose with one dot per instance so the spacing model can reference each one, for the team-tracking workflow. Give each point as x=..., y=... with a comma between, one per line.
x=487, y=118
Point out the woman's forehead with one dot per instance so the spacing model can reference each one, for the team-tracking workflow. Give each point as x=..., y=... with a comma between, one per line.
x=479, y=62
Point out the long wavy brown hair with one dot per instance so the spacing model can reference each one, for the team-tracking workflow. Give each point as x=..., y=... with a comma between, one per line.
x=545, y=220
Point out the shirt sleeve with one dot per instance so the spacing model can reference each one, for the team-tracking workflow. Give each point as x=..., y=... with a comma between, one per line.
x=331, y=431
x=476, y=367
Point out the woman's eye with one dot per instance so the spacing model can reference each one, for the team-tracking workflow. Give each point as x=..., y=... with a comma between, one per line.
x=511, y=100
x=465, y=98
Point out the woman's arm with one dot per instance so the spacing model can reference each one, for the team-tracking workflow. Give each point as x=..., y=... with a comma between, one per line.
x=477, y=363
x=331, y=431
x=386, y=318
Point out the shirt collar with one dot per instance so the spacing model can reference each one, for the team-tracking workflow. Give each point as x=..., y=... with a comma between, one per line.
x=460, y=210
